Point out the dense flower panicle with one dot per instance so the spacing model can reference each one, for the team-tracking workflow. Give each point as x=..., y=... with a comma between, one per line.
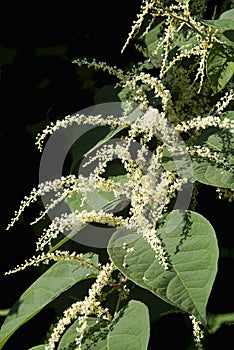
x=149, y=188
x=75, y=221
x=78, y=119
x=212, y=156
x=119, y=73
x=109, y=152
x=63, y=188
x=224, y=101
x=177, y=16
x=45, y=258
x=81, y=310
x=155, y=124
x=43, y=188
x=90, y=304
x=145, y=8
x=149, y=194
x=199, y=123
x=182, y=97
x=155, y=85
x=203, y=53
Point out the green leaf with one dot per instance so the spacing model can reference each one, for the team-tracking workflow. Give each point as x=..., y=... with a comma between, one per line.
x=213, y=175
x=191, y=244
x=206, y=170
x=222, y=142
x=216, y=321
x=227, y=37
x=94, y=333
x=228, y=15
x=219, y=68
x=225, y=21
x=228, y=114
x=57, y=279
x=38, y=347
x=127, y=330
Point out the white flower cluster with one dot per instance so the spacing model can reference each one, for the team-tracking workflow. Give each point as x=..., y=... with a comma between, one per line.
x=75, y=221
x=81, y=310
x=78, y=119
x=205, y=152
x=145, y=9
x=197, y=332
x=45, y=258
x=224, y=102
x=143, y=82
x=100, y=65
x=43, y=188
x=199, y=123
x=149, y=188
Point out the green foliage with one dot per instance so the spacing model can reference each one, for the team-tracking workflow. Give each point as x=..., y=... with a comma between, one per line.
x=126, y=329
x=220, y=67
x=209, y=172
x=183, y=90
x=57, y=279
x=216, y=321
x=225, y=21
x=191, y=243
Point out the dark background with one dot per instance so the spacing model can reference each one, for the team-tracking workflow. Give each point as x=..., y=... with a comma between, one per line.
x=39, y=84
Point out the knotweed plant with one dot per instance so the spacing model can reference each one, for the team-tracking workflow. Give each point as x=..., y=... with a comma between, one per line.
x=173, y=132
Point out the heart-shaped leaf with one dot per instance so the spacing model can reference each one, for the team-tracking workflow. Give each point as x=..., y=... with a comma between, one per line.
x=192, y=246
x=127, y=331
x=57, y=279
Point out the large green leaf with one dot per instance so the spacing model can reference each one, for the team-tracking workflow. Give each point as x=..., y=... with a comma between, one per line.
x=221, y=142
x=127, y=331
x=213, y=175
x=38, y=347
x=220, y=67
x=57, y=279
x=192, y=246
x=225, y=21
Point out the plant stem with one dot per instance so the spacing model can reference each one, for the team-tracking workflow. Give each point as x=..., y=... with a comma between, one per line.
x=118, y=302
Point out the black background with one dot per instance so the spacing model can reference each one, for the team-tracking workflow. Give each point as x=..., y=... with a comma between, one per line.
x=38, y=83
